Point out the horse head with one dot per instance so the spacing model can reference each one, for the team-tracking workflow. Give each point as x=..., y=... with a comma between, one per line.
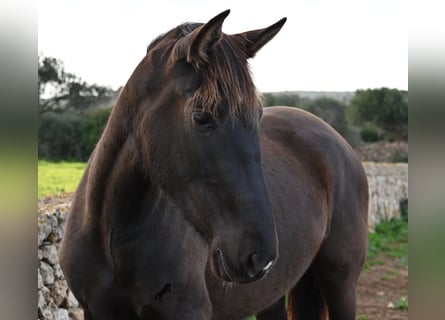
x=198, y=123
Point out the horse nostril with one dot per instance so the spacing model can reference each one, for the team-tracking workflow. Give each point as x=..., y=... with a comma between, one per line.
x=255, y=266
x=252, y=262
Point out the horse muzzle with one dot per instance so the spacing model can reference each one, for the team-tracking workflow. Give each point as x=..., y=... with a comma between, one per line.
x=253, y=269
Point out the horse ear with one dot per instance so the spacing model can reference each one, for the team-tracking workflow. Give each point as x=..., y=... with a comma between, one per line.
x=256, y=39
x=201, y=40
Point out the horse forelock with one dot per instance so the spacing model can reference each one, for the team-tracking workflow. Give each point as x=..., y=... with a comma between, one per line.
x=227, y=80
x=227, y=88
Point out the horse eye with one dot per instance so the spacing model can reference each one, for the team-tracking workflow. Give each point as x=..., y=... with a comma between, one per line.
x=203, y=119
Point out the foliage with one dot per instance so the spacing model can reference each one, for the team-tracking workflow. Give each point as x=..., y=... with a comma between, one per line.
x=371, y=133
x=69, y=136
x=385, y=108
x=60, y=90
x=282, y=99
x=59, y=136
x=69, y=127
x=391, y=238
x=94, y=122
x=54, y=178
x=402, y=304
x=331, y=111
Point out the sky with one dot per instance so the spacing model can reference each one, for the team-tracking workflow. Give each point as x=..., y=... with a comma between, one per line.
x=325, y=45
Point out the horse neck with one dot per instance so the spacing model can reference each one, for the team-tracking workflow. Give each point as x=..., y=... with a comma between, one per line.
x=114, y=170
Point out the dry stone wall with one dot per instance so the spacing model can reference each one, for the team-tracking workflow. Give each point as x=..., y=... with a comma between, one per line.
x=388, y=184
x=383, y=151
x=55, y=300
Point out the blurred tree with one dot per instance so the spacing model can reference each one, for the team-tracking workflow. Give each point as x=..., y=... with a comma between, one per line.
x=385, y=108
x=281, y=99
x=330, y=110
x=70, y=136
x=60, y=136
x=60, y=90
x=93, y=123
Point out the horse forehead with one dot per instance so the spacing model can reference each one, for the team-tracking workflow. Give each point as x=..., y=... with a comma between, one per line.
x=224, y=86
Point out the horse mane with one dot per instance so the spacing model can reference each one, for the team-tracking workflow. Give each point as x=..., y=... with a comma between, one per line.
x=227, y=88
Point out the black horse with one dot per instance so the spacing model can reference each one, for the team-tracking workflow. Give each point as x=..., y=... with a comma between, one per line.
x=194, y=184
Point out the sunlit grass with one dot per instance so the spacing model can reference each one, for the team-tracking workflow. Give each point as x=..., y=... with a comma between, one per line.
x=56, y=177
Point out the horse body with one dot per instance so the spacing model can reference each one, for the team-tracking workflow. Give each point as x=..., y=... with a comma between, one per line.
x=313, y=176
x=203, y=199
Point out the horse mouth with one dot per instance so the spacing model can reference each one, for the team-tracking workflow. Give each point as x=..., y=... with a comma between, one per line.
x=222, y=269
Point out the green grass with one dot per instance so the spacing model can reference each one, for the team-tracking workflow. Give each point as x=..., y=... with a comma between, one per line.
x=361, y=316
x=390, y=275
x=391, y=239
x=56, y=177
x=402, y=304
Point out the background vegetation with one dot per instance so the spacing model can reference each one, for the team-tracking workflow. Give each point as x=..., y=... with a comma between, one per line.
x=390, y=238
x=368, y=116
x=70, y=136
x=73, y=113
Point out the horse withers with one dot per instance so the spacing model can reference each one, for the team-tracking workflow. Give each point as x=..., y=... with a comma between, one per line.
x=197, y=203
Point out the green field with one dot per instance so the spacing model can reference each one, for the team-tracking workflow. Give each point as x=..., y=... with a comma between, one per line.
x=54, y=178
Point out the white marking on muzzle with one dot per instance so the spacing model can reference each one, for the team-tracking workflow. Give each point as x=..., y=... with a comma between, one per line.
x=268, y=266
